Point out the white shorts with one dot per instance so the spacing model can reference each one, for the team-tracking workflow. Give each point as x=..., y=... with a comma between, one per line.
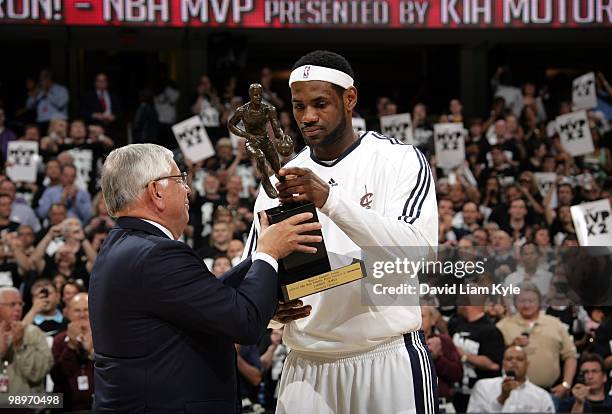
x=395, y=377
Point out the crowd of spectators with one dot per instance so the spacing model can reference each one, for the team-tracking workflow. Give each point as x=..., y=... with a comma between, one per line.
x=51, y=230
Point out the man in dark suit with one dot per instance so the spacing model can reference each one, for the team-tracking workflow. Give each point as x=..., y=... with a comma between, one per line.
x=102, y=107
x=163, y=326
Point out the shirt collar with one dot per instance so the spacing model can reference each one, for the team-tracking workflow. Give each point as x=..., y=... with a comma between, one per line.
x=162, y=228
x=57, y=317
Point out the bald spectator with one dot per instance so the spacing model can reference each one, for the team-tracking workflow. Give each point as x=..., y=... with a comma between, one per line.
x=23, y=346
x=76, y=200
x=73, y=351
x=545, y=340
x=512, y=393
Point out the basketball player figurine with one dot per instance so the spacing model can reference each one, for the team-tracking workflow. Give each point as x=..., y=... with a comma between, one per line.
x=255, y=115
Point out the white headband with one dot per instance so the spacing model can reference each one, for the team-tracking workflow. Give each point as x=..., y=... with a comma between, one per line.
x=320, y=73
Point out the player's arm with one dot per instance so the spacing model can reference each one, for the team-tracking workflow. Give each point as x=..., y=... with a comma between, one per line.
x=273, y=118
x=411, y=216
x=233, y=124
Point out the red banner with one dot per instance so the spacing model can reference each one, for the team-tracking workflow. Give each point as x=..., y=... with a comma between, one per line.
x=396, y=14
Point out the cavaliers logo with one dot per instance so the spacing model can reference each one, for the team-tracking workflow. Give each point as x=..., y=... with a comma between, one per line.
x=366, y=199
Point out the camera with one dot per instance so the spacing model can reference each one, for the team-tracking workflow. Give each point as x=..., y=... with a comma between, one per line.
x=44, y=292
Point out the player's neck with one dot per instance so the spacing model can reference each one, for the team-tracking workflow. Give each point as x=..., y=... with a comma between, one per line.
x=330, y=153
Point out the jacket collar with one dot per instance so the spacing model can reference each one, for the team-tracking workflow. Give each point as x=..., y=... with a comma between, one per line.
x=135, y=223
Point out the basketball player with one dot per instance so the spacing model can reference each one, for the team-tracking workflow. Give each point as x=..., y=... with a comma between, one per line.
x=369, y=190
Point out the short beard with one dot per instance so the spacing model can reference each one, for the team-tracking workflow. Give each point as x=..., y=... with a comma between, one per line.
x=336, y=135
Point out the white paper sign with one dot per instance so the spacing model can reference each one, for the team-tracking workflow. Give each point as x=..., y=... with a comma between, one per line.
x=83, y=163
x=593, y=223
x=397, y=126
x=449, y=140
x=23, y=161
x=193, y=139
x=575, y=134
x=584, y=95
x=210, y=117
x=359, y=125
x=545, y=182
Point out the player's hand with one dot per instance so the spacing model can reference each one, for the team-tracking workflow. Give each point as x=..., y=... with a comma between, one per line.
x=291, y=311
x=281, y=239
x=301, y=185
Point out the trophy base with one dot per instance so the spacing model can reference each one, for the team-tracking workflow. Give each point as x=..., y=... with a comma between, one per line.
x=325, y=281
x=303, y=274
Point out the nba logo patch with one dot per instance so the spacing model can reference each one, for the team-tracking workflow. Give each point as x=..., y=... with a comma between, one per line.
x=306, y=72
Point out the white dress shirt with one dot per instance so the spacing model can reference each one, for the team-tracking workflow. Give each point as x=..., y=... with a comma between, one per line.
x=527, y=398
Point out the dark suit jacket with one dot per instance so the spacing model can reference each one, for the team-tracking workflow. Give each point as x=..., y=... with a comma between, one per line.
x=164, y=327
x=91, y=104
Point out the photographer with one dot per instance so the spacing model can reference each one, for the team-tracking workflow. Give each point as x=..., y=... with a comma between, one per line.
x=45, y=313
x=589, y=391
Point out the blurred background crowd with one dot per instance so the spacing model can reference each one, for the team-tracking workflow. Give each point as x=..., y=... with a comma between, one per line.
x=51, y=231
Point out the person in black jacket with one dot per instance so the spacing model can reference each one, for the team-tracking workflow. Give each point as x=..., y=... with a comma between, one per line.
x=145, y=127
x=163, y=326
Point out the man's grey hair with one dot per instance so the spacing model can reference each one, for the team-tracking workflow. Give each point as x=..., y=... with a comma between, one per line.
x=529, y=287
x=129, y=169
x=6, y=289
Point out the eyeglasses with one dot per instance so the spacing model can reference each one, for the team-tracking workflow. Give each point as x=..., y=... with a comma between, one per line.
x=590, y=371
x=12, y=304
x=182, y=176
